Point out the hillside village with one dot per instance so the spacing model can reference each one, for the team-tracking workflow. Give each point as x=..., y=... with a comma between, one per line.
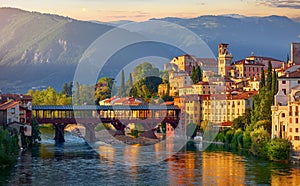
x=225, y=91
x=227, y=88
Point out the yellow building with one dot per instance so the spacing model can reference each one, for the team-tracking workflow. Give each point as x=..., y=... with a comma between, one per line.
x=286, y=120
x=222, y=108
x=177, y=80
x=224, y=59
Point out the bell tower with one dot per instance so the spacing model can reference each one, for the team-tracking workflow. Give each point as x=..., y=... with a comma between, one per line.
x=224, y=59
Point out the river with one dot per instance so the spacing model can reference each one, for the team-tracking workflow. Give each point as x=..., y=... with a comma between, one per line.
x=76, y=163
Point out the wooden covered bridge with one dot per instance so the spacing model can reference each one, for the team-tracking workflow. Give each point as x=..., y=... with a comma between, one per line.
x=91, y=115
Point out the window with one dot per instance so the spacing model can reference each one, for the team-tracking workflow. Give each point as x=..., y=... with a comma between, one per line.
x=275, y=127
x=298, y=81
x=297, y=130
x=297, y=120
x=291, y=130
x=283, y=115
x=283, y=82
x=284, y=91
x=296, y=138
x=291, y=120
x=12, y=110
x=283, y=128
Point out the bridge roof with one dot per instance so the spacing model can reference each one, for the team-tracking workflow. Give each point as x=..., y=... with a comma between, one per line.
x=97, y=107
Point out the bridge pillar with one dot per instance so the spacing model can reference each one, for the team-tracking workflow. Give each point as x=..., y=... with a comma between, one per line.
x=119, y=127
x=59, y=132
x=90, y=132
x=149, y=134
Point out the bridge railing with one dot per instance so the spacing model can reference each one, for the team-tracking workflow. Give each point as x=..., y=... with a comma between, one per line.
x=49, y=113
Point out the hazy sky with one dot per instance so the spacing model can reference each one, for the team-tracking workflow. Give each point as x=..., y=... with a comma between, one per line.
x=139, y=10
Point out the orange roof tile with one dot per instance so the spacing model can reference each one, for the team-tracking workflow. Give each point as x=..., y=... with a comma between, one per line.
x=8, y=104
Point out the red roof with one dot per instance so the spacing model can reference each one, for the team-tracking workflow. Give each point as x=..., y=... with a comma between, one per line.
x=238, y=96
x=168, y=103
x=226, y=124
x=16, y=97
x=202, y=83
x=247, y=62
x=8, y=104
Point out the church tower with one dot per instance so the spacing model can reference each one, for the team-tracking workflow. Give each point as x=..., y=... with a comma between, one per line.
x=224, y=59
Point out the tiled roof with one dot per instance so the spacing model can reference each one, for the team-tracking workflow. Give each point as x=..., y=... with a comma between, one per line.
x=202, y=83
x=227, y=123
x=168, y=103
x=231, y=96
x=246, y=62
x=8, y=104
x=16, y=97
x=295, y=74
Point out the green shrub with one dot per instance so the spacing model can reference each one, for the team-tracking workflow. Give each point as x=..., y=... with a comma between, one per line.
x=134, y=133
x=8, y=148
x=279, y=149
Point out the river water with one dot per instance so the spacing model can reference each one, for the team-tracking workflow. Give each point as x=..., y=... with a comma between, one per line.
x=76, y=163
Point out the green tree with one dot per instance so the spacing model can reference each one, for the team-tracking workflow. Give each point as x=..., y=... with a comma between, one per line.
x=8, y=148
x=129, y=84
x=199, y=74
x=269, y=76
x=238, y=123
x=274, y=83
x=196, y=75
x=265, y=124
x=146, y=87
x=262, y=79
x=144, y=70
x=49, y=97
x=103, y=89
x=260, y=138
x=122, y=88
x=36, y=133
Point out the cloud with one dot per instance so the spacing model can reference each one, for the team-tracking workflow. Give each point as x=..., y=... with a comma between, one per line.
x=124, y=14
x=294, y=4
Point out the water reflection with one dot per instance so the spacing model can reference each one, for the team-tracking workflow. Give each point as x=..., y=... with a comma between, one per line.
x=286, y=176
x=222, y=168
x=75, y=163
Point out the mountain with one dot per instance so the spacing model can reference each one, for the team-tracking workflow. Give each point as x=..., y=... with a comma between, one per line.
x=269, y=36
x=41, y=49
x=296, y=19
x=38, y=50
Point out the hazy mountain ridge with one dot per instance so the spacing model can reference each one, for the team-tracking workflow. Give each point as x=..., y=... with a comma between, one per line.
x=30, y=37
x=43, y=49
x=267, y=36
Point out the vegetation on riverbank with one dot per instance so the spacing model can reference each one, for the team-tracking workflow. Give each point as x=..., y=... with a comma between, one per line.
x=252, y=131
x=8, y=148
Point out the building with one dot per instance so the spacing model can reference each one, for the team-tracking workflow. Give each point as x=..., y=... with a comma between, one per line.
x=177, y=80
x=9, y=112
x=286, y=120
x=224, y=59
x=295, y=53
x=285, y=85
x=24, y=102
x=220, y=108
x=247, y=68
x=187, y=62
x=182, y=63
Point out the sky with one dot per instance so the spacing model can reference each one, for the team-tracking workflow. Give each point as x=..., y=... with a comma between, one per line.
x=141, y=10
